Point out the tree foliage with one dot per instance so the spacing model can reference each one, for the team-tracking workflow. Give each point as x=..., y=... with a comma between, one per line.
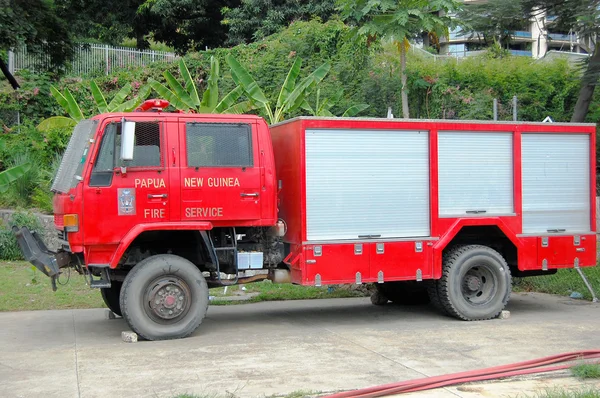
x=187, y=24
x=181, y=24
x=106, y=21
x=399, y=21
x=493, y=20
x=35, y=24
x=583, y=18
x=256, y=19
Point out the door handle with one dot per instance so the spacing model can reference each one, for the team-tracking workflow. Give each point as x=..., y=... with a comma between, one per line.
x=159, y=196
x=249, y=195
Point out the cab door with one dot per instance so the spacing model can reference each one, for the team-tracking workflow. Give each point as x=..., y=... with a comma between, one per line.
x=220, y=171
x=121, y=194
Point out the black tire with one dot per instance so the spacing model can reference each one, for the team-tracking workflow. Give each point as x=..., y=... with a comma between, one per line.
x=164, y=297
x=475, y=284
x=404, y=293
x=378, y=299
x=111, y=297
x=434, y=297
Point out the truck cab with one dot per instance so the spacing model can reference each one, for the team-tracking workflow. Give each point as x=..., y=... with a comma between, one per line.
x=192, y=188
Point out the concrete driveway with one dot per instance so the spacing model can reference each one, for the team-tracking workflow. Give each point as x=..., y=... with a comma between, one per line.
x=279, y=347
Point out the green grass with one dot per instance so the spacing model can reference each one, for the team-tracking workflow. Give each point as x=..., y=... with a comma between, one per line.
x=563, y=283
x=268, y=291
x=586, y=371
x=590, y=392
x=23, y=288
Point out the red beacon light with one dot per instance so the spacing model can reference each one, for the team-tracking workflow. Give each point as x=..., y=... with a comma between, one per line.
x=155, y=105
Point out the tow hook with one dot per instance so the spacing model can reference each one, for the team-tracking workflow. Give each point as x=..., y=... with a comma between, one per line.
x=35, y=251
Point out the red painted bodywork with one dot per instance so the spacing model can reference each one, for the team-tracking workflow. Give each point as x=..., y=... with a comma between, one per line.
x=339, y=264
x=278, y=154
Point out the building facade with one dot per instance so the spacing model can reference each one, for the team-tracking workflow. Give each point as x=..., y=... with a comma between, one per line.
x=535, y=40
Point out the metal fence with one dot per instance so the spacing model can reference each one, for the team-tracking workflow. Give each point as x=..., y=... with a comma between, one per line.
x=9, y=119
x=91, y=59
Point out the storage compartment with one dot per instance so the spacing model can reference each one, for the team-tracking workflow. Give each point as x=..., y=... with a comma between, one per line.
x=556, y=183
x=475, y=173
x=366, y=183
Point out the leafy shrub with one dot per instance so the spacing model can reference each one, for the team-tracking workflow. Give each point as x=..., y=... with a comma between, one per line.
x=9, y=248
x=19, y=192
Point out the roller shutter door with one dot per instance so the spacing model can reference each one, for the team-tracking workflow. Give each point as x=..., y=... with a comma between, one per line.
x=475, y=173
x=367, y=182
x=556, y=182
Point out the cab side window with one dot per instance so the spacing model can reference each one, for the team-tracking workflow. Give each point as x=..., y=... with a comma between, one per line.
x=219, y=145
x=146, y=154
x=147, y=150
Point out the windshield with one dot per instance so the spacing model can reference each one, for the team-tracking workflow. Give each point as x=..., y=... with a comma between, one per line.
x=71, y=166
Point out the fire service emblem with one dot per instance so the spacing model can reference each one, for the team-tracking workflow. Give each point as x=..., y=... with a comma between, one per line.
x=126, y=201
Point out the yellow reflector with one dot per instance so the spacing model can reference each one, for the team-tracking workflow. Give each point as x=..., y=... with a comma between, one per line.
x=71, y=220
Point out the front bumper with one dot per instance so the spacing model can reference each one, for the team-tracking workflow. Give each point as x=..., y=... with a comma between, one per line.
x=35, y=251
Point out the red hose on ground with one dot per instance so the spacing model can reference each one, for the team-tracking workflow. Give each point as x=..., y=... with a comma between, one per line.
x=517, y=369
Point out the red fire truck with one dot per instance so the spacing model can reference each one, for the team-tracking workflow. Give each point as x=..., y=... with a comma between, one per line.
x=157, y=207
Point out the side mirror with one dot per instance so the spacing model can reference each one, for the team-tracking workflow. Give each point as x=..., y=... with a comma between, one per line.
x=127, y=139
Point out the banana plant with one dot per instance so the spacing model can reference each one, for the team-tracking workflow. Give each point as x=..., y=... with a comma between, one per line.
x=12, y=174
x=71, y=107
x=118, y=103
x=185, y=96
x=291, y=96
x=323, y=107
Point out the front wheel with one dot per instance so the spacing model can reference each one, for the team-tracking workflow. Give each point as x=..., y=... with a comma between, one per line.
x=475, y=284
x=164, y=297
x=111, y=296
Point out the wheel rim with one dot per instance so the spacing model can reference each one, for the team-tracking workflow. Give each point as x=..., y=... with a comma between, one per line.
x=479, y=285
x=167, y=299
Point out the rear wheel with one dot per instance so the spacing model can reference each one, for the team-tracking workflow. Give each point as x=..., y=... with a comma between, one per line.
x=164, y=297
x=378, y=299
x=475, y=284
x=111, y=296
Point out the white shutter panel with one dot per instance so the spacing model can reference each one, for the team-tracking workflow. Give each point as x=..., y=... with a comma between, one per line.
x=556, y=182
x=475, y=173
x=367, y=182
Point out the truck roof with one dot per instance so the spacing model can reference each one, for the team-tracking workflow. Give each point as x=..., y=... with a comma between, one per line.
x=178, y=115
x=445, y=121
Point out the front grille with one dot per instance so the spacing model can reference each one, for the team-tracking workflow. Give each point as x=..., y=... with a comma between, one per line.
x=62, y=234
